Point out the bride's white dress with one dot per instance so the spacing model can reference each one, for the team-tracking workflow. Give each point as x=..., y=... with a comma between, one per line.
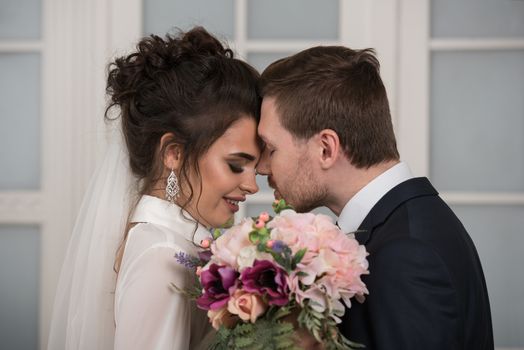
x=90, y=301
x=149, y=314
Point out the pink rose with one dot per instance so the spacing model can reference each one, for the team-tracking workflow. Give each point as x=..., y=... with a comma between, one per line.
x=246, y=305
x=331, y=269
x=303, y=230
x=291, y=228
x=221, y=317
x=325, y=262
x=227, y=247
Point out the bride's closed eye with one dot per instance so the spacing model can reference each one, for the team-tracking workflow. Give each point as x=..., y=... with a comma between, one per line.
x=239, y=160
x=235, y=168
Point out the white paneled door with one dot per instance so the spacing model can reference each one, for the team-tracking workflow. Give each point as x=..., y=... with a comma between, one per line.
x=52, y=71
x=21, y=52
x=461, y=112
x=453, y=71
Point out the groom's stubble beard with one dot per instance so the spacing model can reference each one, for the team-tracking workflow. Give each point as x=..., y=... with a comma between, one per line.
x=304, y=192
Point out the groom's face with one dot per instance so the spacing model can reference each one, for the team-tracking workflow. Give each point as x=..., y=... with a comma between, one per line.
x=287, y=162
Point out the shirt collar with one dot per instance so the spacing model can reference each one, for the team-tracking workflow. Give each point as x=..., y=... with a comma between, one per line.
x=358, y=207
x=163, y=213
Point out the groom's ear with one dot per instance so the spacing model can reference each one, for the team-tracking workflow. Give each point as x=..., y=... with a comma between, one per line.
x=329, y=146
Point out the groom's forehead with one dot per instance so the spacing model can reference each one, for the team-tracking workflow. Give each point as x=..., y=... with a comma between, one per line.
x=269, y=105
x=266, y=116
x=270, y=114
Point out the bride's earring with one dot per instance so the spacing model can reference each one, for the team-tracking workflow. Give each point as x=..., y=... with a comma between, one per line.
x=172, y=188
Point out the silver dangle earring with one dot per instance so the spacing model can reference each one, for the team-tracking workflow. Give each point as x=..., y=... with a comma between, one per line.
x=172, y=188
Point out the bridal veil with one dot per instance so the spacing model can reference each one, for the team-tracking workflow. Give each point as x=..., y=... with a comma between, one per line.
x=83, y=315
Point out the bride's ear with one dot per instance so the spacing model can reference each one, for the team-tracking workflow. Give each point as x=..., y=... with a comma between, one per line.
x=329, y=148
x=171, y=151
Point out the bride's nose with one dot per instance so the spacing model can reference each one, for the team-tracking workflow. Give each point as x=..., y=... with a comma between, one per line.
x=249, y=183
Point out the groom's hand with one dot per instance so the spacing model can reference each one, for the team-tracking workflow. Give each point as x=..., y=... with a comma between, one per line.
x=306, y=340
x=303, y=339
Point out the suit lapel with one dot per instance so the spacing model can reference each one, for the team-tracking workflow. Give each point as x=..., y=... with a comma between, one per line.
x=413, y=188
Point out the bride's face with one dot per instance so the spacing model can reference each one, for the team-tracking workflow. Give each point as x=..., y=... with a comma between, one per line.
x=227, y=173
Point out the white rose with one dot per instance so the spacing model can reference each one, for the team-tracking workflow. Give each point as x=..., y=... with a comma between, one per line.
x=247, y=255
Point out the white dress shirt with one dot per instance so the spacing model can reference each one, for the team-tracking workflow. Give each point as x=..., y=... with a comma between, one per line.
x=358, y=207
x=149, y=314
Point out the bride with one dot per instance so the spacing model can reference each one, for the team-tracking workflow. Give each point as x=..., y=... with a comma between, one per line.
x=188, y=116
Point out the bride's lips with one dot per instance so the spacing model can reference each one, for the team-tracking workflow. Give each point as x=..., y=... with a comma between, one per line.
x=232, y=203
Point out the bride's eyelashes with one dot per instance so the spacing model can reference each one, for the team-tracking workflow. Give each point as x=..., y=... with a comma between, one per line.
x=235, y=168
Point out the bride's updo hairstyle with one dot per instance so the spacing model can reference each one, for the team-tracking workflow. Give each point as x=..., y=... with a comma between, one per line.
x=188, y=85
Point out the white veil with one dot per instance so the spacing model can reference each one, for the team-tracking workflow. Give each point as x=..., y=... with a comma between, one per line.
x=83, y=315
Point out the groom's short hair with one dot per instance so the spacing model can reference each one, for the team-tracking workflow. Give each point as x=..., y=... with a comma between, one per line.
x=334, y=87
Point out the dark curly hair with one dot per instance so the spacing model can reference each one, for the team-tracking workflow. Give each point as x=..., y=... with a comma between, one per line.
x=188, y=85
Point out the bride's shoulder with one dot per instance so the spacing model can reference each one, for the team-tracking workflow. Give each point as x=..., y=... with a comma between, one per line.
x=144, y=235
x=145, y=240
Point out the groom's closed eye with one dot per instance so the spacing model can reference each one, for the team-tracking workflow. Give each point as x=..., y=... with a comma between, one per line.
x=267, y=146
x=266, y=152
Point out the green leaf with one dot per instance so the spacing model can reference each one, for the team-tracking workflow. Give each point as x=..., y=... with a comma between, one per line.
x=263, y=334
x=254, y=237
x=217, y=233
x=263, y=231
x=281, y=260
x=191, y=293
x=264, y=239
x=268, y=333
x=298, y=257
x=280, y=206
x=243, y=342
x=280, y=313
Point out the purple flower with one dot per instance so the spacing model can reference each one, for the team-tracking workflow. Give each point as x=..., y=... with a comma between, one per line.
x=266, y=278
x=187, y=260
x=205, y=256
x=278, y=246
x=217, y=280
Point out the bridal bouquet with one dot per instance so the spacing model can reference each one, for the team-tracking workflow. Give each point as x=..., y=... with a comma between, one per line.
x=258, y=274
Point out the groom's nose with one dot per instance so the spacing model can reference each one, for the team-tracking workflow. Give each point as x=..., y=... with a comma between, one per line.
x=263, y=167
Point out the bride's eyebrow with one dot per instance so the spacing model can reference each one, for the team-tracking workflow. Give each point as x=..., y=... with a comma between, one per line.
x=244, y=155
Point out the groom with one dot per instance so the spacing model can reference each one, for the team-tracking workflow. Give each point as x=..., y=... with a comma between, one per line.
x=329, y=140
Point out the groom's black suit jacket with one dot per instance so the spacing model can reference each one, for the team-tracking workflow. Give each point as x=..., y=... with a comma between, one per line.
x=426, y=286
